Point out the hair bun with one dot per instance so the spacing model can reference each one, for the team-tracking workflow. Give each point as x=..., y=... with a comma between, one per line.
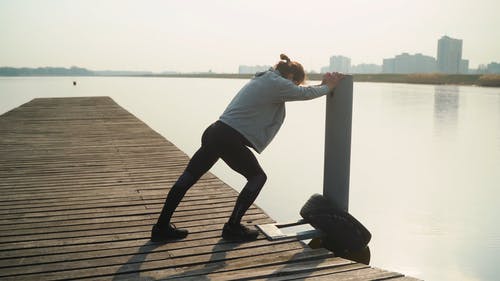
x=285, y=58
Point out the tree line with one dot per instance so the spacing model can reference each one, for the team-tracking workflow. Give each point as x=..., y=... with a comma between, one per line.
x=45, y=71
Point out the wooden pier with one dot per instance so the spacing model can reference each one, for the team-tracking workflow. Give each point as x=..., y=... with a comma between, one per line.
x=81, y=183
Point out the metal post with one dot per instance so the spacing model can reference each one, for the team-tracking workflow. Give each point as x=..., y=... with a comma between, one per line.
x=338, y=144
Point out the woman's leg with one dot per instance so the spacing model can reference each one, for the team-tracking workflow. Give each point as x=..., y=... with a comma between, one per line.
x=243, y=161
x=199, y=164
x=246, y=198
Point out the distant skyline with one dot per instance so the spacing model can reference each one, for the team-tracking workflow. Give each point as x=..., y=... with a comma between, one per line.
x=198, y=36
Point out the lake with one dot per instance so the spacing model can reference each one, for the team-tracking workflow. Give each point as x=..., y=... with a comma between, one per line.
x=425, y=160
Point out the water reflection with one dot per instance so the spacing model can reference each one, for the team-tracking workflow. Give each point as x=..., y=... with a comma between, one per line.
x=446, y=103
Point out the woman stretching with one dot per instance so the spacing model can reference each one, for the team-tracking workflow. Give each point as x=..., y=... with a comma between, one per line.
x=252, y=119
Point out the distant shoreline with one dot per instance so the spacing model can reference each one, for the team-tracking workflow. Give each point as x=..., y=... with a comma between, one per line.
x=483, y=80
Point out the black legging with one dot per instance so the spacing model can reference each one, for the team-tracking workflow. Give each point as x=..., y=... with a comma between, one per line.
x=219, y=141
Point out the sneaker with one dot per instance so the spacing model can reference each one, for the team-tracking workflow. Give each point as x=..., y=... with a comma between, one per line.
x=238, y=232
x=165, y=233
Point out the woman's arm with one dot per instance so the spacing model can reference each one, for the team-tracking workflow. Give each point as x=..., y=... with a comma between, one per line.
x=292, y=92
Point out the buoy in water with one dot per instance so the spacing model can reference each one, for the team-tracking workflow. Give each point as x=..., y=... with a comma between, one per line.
x=74, y=83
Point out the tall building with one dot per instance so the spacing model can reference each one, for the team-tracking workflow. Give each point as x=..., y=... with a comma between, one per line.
x=340, y=64
x=406, y=63
x=449, y=55
x=493, y=67
x=388, y=66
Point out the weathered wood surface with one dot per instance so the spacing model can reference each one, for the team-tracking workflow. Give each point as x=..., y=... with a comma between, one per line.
x=81, y=183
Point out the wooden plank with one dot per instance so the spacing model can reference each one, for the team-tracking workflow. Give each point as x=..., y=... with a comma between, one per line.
x=16, y=236
x=197, y=272
x=136, y=206
x=161, y=260
x=116, y=202
x=151, y=252
x=140, y=210
x=205, y=231
x=252, y=215
x=113, y=190
x=290, y=268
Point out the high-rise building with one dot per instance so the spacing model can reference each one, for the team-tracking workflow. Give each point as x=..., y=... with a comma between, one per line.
x=493, y=67
x=340, y=64
x=449, y=55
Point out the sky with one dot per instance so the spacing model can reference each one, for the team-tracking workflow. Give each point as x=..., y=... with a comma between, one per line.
x=220, y=35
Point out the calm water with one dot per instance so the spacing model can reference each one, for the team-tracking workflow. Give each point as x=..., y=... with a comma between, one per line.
x=425, y=164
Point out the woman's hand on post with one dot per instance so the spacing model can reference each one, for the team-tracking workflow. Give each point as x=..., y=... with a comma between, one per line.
x=332, y=79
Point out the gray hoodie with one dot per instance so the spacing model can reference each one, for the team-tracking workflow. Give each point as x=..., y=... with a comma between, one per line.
x=258, y=109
